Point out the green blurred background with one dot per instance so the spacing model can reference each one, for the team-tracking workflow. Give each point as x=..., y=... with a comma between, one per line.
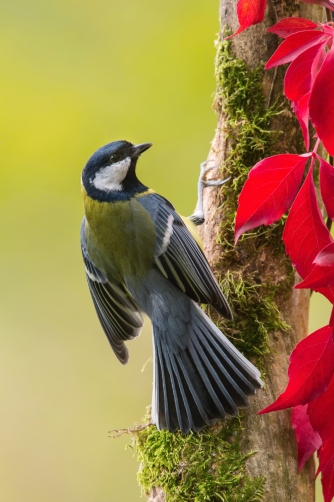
x=76, y=75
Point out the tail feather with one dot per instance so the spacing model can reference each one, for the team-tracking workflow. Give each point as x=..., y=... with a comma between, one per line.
x=199, y=376
x=226, y=388
x=183, y=398
x=232, y=371
x=213, y=385
x=166, y=396
x=178, y=403
x=193, y=413
x=195, y=391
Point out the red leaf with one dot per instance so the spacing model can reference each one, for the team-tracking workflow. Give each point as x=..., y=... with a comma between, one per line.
x=327, y=481
x=302, y=114
x=322, y=274
x=328, y=28
x=310, y=371
x=321, y=412
x=249, y=12
x=308, y=440
x=326, y=256
x=271, y=186
x=290, y=25
x=327, y=186
x=327, y=292
x=322, y=103
x=294, y=45
x=320, y=277
x=299, y=77
x=305, y=233
x=325, y=3
x=331, y=321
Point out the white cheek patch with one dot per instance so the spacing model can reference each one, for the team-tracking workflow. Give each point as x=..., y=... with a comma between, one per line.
x=110, y=178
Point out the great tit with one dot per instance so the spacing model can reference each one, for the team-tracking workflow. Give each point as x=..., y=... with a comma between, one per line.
x=140, y=257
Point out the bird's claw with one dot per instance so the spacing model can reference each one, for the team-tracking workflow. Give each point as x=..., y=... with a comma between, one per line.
x=198, y=216
x=204, y=169
x=215, y=183
x=209, y=183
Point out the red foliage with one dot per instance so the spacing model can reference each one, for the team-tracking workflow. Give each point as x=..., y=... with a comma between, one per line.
x=322, y=273
x=298, y=83
x=325, y=3
x=290, y=25
x=305, y=233
x=331, y=320
x=294, y=45
x=321, y=412
x=302, y=114
x=322, y=102
x=273, y=184
x=308, y=440
x=249, y=12
x=327, y=480
x=310, y=371
x=299, y=76
x=268, y=193
x=326, y=256
x=327, y=186
x=310, y=76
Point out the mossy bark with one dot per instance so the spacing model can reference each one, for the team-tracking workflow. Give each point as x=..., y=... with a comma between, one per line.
x=249, y=458
x=261, y=258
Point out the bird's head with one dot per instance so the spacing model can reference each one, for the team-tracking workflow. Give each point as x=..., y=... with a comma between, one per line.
x=112, y=169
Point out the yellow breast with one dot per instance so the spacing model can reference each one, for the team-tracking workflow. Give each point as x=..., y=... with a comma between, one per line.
x=120, y=237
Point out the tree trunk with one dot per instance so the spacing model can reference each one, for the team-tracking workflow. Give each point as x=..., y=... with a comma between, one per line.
x=270, y=435
x=270, y=317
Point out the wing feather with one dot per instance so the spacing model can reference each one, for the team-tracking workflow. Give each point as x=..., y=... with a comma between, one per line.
x=180, y=258
x=118, y=315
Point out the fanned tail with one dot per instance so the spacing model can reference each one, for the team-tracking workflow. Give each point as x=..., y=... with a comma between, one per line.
x=199, y=376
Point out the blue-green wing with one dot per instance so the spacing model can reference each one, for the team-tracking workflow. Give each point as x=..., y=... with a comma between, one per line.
x=179, y=257
x=118, y=315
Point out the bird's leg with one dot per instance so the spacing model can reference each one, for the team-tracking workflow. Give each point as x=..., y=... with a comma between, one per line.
x=198, y=215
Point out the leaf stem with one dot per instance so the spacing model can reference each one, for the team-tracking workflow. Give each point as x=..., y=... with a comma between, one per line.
x=316, y=146
x=329, y=16
x=329, y=223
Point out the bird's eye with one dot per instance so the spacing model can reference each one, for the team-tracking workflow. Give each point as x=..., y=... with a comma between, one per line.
x=113, y=158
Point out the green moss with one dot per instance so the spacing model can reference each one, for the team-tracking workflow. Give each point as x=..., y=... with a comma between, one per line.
x=255, y=315
x=210, y=465
x=249, y=138
x=207, y=466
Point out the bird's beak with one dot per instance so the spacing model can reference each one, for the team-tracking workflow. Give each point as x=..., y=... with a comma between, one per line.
x=139, y=149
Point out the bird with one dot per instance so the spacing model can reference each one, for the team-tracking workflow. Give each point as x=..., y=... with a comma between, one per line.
x=141, y=256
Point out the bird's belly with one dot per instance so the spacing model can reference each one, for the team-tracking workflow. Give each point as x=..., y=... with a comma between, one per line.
x=120, y=238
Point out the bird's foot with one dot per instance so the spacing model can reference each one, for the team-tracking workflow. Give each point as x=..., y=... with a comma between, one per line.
x=198, y=215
